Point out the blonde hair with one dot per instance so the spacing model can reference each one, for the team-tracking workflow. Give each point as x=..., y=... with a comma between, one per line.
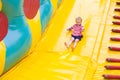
x=79, y=18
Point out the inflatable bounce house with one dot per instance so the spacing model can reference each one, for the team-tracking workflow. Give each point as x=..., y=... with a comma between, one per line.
x=33, y=32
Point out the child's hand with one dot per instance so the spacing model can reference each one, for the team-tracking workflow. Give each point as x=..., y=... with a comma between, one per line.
x=68, y=29
x=83, y=29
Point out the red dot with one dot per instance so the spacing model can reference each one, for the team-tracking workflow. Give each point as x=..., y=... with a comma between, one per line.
x=3, y=25
x=31, y=8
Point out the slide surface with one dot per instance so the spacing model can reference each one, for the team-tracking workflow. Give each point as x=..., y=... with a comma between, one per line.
x=52, y=61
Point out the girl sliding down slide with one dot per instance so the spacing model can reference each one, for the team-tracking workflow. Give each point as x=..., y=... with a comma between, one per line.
x=77, y=30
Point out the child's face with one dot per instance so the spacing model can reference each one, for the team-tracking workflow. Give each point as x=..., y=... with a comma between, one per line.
x=78, y=21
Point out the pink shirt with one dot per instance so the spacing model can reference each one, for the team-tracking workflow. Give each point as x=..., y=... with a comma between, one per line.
x=77, y=30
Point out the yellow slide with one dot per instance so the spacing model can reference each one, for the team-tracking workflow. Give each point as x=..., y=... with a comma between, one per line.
x=52, y=61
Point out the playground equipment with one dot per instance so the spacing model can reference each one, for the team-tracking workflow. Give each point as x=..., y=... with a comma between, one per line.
x=44, y=55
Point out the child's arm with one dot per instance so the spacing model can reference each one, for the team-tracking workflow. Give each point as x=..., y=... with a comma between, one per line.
x=70, y=28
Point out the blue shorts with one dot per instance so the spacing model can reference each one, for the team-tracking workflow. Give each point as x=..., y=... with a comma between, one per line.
x=77, y=37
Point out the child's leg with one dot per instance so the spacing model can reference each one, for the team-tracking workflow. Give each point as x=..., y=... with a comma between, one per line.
x=70, y=42
x=75, y=43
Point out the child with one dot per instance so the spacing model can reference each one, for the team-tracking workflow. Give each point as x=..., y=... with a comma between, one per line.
x=77, y=30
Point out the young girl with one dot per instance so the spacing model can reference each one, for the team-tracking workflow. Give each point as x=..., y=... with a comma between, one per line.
x=77, y=30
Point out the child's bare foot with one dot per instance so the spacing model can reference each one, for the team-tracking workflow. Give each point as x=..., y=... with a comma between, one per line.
x=66, y=45
x=73, y=49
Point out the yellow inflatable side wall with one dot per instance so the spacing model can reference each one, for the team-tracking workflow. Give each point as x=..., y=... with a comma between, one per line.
x=2, y=56
x=35, y=27
x=0, y=5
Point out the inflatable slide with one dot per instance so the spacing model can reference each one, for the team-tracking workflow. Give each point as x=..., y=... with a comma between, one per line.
x=33, y=32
